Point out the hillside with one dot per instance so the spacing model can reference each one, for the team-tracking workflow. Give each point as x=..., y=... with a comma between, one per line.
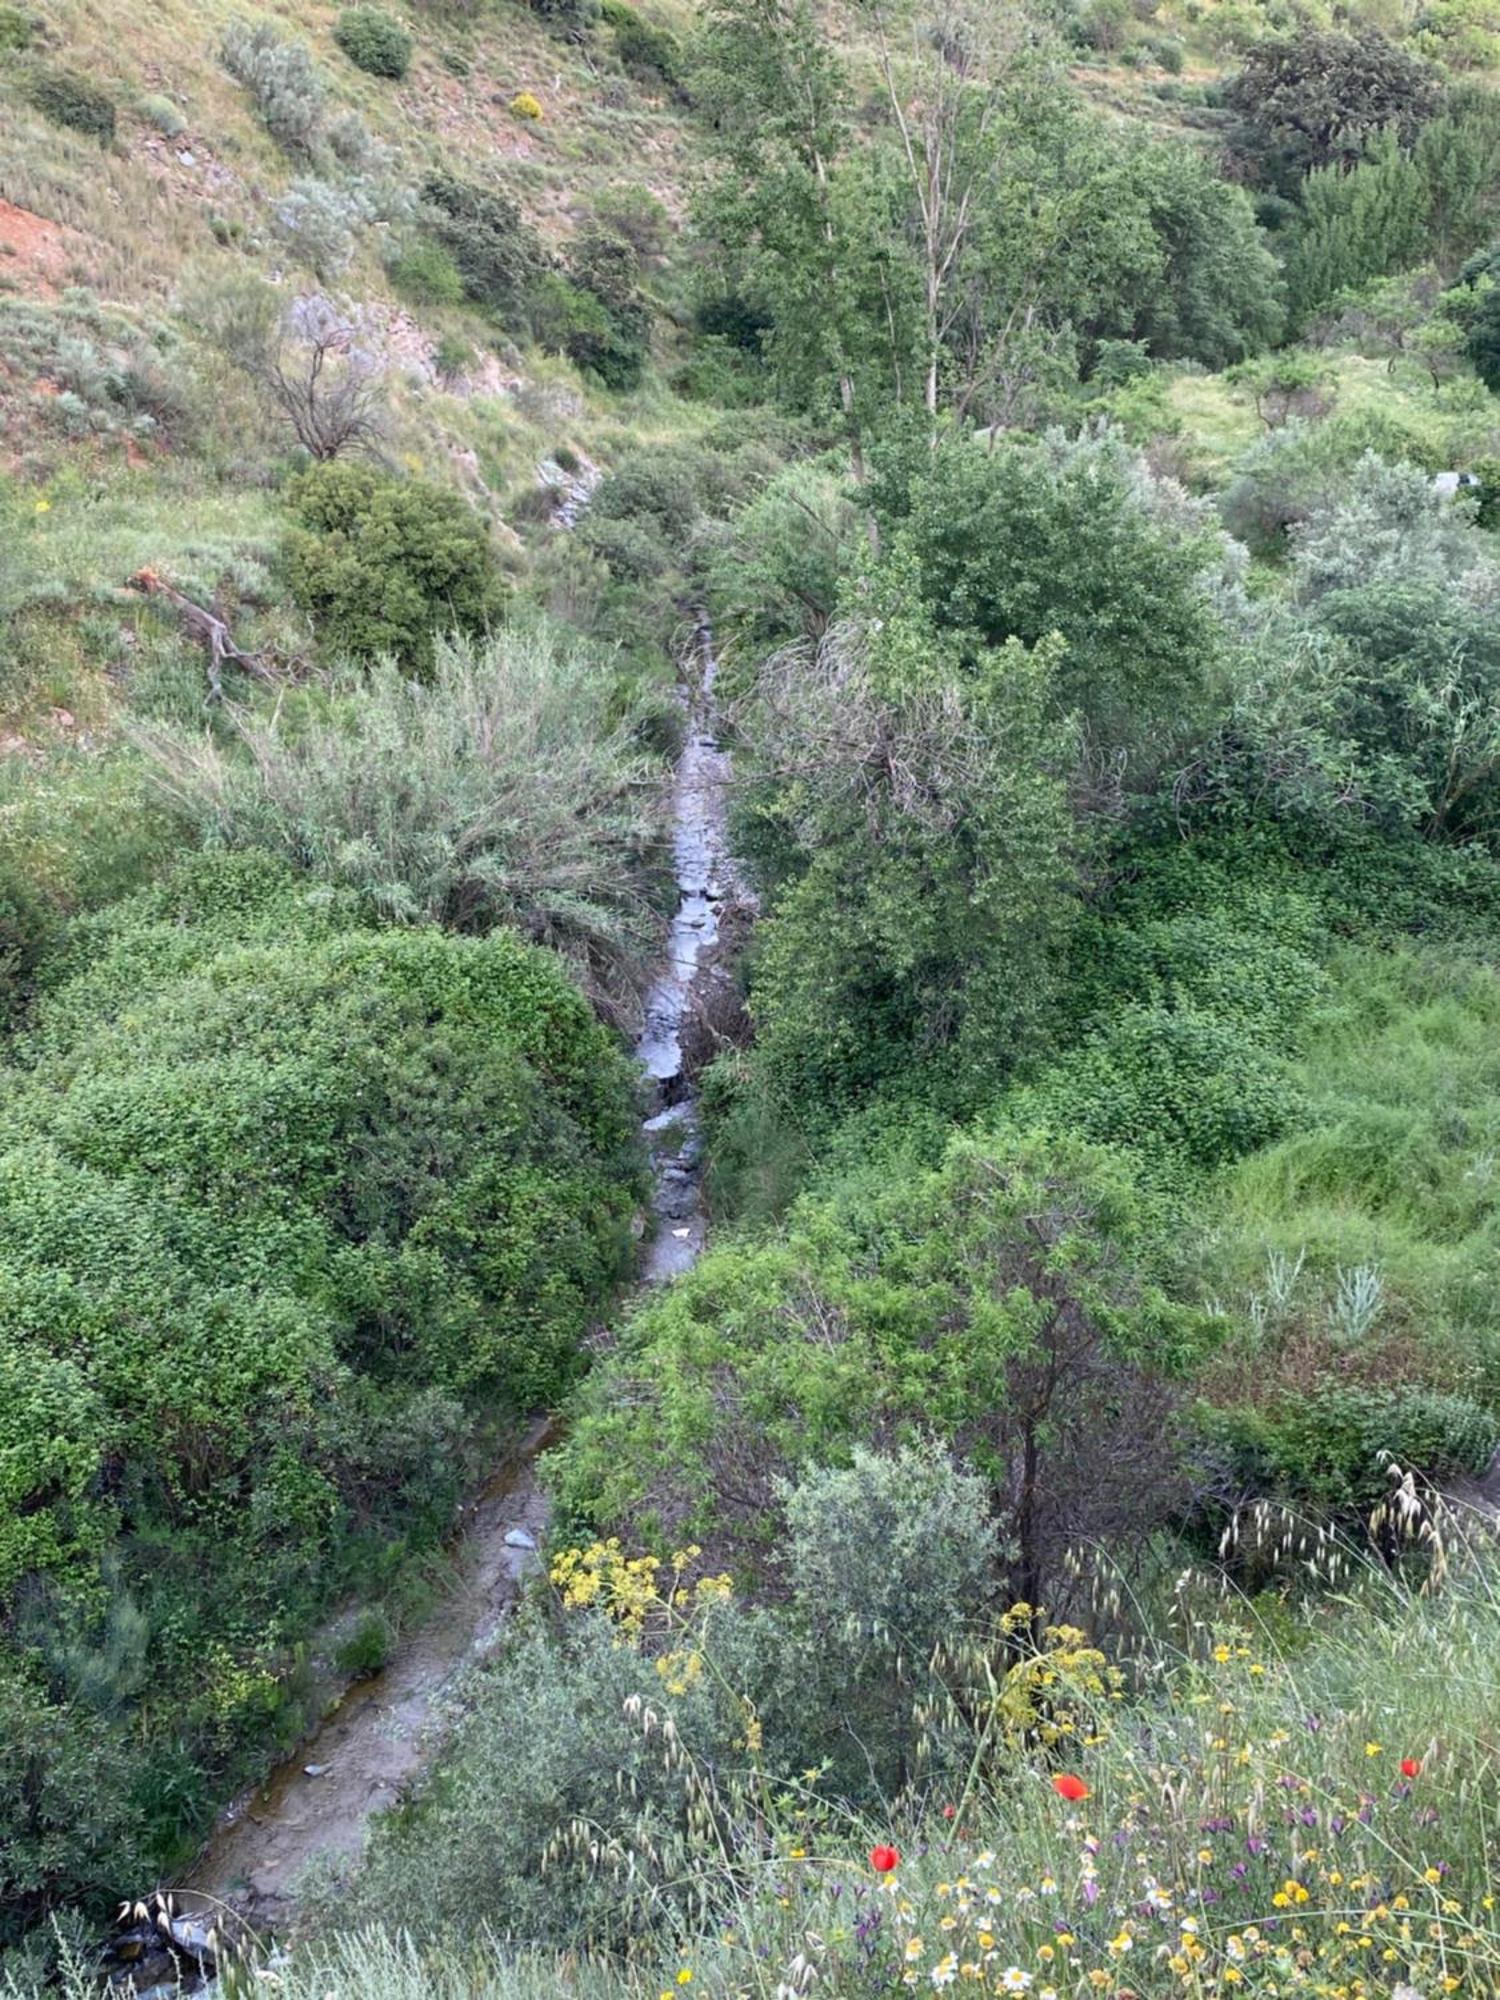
x=749, y=899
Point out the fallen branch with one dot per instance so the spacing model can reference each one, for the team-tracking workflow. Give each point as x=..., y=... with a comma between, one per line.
x=207, y=628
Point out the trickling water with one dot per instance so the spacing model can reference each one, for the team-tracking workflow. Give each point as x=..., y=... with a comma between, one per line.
x=386, y=1730
x=700, y=816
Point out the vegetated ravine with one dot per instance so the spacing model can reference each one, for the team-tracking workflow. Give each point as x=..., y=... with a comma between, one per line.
x=386, y=1729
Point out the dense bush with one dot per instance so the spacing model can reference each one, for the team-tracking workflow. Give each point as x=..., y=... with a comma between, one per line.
x=374, y=41
x=73, y=101
x=597, y=315
x=278, y=1195
x=281, y=80
x=1331, y=1451
x=643, y=46
x=1071, y=538
x=572, y=18
x=497, y=255
x=383, y=564
x=999, y=1303
x=424, y=272
x=506, y=790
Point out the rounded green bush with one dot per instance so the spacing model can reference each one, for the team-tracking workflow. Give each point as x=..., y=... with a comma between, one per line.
x=374, y=42
x=382, y=563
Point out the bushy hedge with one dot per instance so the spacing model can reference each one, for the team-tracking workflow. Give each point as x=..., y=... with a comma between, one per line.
x=383, y=564
x=374, y=42
x=282, y=1198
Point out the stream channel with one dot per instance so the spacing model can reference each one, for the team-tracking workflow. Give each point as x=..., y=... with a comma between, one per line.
x=385, y=1730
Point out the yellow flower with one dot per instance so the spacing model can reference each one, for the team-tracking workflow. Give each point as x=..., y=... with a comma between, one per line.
x=685, y=1977
x=44, y=506
x=1373, y=1749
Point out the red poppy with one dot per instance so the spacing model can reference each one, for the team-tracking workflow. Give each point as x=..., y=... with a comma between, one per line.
x=1070, y=1788
x=883, y=1859
x=950, y=1812
x=1411, y=1767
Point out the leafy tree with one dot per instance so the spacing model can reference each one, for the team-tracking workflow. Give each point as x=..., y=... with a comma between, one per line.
x=803, y=221
x=1022, y=542
x=912, y=819
x=382, y=563
x=1215, y=294
x=1356, y=224
x=1002, y=1302
x=1318, y=97
x=1476, y=303
x=612, y=342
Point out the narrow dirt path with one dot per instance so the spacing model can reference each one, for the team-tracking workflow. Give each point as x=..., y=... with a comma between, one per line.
x=386, y=1730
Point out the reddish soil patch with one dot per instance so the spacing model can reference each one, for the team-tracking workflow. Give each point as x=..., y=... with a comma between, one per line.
x=36, y=255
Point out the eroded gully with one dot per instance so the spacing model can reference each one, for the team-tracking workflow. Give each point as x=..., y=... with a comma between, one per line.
x=386, y=1730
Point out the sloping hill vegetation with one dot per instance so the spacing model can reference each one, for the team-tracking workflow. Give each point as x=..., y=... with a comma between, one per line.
x=1046, y=1545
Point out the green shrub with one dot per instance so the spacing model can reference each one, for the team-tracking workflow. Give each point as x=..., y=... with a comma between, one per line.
x=16, y=29
x=1330, y=1450
x=506, y=790
x=642, y=46
x=279, y=1194
x=572, y=18
x=497, y=256
x=72, y=101
x=899, y=1308
x=427, y=275
x=368, y=1646
x=382, y=564
x=1170, y=1082
x=164, y=115
x=374, y=42
x=889, y=1547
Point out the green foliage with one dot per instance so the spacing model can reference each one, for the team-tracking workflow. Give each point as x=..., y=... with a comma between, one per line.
x=997, y=1303
x=1303, y=469
x=473, y=1854
x=368, y=1646
x=889, y=1548
x=425, y=272
x=644, y=47
x=373, y=41
x=776, y=569
x=282, y=82
x=595, y=313
x=72, y=101
x=277, y=1193
x=506, y=790
x=497, y=255
x=570, y=18
x=1024, y=541
x=1356, y=224
x=1331, y=1451
x=1316, y=98
x=16, y=29
x=383, y=564
x=1479, y=303
x=916, y=902
x=67, y=1819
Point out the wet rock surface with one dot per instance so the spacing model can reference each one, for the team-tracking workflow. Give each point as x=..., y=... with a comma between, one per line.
x=706, y=883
